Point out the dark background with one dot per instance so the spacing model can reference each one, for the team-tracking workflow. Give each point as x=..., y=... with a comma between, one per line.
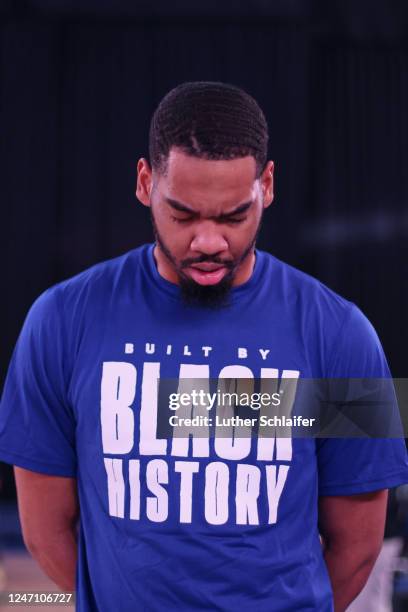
x=81, y=78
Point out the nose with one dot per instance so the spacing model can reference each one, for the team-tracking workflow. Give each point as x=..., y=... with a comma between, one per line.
x=208, y=239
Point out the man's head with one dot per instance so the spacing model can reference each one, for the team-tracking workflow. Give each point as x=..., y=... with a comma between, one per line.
x=207, y=186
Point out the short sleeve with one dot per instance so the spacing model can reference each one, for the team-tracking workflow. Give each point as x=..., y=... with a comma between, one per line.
x=349, y=466
x=37, y=425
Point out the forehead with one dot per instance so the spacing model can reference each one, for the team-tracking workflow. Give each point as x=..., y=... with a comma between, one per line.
x=208, y=184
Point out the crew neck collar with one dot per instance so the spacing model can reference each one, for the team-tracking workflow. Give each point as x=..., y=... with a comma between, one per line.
x=173, y=290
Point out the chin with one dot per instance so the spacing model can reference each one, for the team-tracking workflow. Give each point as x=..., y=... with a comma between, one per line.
x=206, y=296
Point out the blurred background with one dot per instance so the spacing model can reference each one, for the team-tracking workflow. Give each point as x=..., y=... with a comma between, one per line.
x=79, y=80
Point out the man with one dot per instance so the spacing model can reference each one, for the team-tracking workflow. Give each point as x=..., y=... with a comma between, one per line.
x=215, y=522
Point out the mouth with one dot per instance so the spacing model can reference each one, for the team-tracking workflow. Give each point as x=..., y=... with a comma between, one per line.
x=207, y=274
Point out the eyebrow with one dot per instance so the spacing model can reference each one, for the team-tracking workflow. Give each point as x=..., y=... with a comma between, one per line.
x=186, y=209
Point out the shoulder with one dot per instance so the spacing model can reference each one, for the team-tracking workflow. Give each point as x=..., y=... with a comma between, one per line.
x=67, y=308
x=334, y=329
x=302, y=291
x=103, y=275
x=93, y=284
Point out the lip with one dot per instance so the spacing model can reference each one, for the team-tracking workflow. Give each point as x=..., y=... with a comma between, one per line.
x=207, y=274
x=207, y=267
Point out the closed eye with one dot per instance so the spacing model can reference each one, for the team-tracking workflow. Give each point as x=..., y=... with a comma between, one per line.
x=233, y=220
x=183, y=220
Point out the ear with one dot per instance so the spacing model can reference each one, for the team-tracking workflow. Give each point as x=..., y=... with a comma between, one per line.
x=267, y=184
x=144, y=181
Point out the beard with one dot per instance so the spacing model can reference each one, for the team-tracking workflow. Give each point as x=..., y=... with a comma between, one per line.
x=207, y=296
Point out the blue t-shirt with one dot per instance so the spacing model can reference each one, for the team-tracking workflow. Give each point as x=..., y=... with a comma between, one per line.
x=202, y=524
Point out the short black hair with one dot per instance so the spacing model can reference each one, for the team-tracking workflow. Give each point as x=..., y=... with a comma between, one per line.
x=209, y=120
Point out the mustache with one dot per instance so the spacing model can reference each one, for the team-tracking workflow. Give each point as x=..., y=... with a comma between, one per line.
x=207, y=259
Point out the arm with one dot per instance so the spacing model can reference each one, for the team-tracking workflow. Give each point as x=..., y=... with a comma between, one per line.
x=48, y=508
x=352, y=529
